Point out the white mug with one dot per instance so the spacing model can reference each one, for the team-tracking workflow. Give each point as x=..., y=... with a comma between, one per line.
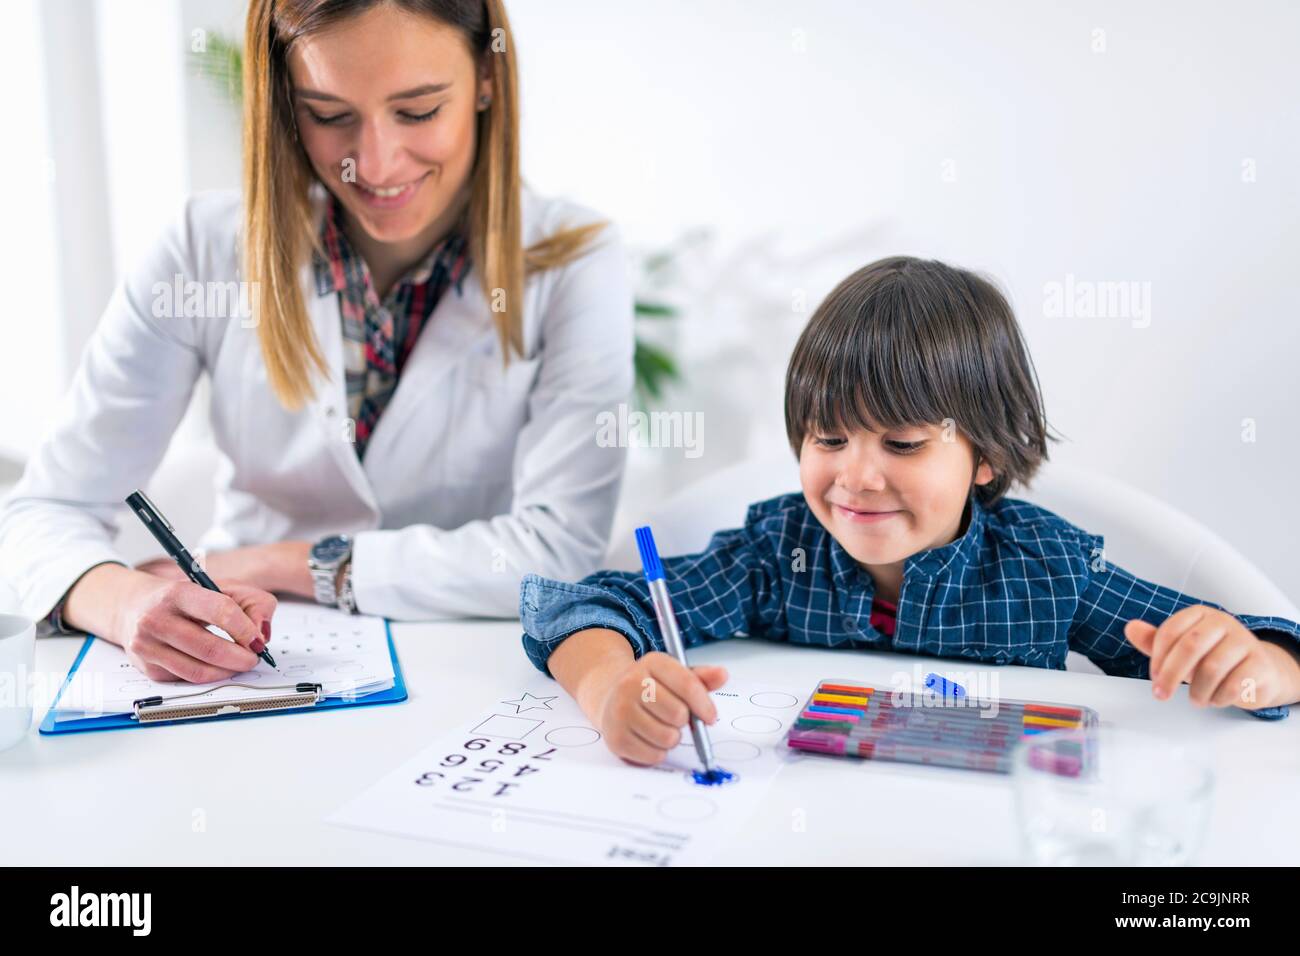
x=17, y=658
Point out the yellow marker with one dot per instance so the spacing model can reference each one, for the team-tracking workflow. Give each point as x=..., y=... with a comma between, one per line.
x=839, y=699
x=1033, y=721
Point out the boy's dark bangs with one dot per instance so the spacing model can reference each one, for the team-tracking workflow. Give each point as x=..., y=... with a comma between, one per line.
x=859, y=374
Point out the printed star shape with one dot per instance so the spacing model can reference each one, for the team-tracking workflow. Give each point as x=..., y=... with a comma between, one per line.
x=529, y=702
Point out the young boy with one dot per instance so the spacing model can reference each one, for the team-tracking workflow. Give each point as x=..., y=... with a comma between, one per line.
x=912, y=406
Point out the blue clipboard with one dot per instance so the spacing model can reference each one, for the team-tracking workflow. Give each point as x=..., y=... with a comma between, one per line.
x=392, y=695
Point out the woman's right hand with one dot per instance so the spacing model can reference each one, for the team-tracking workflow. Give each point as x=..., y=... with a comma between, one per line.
x=162, y=625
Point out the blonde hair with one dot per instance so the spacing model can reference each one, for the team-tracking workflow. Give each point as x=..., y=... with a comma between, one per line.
x=279, y=225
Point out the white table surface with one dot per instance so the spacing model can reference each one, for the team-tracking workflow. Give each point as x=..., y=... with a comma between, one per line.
x=262, y=787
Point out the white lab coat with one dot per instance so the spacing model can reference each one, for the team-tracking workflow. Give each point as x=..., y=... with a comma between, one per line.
x=472, y=477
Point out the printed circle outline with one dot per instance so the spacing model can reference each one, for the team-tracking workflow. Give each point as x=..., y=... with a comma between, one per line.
x=576, y=739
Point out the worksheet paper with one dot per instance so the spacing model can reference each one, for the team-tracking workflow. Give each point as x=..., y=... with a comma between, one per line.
x=347, y=654
x=528, y=776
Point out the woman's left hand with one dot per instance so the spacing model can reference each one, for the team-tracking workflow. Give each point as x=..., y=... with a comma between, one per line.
x=1225, y=663
x=279, y=567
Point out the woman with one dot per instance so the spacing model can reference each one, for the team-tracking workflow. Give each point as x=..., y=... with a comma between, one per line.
x=406, y=410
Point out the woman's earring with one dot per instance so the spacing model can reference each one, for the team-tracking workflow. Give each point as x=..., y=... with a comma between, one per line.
x=484, y=101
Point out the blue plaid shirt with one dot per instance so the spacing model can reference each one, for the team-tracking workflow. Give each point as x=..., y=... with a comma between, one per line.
x=1020, y=586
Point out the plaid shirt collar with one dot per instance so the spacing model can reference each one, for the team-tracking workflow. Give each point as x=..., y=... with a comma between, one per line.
x=951, y=557
x=341, y=260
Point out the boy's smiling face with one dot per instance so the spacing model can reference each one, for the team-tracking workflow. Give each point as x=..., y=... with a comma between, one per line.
x=886, y=495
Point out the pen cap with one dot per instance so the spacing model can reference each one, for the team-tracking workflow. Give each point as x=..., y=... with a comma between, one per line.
x=645, y=543
x=148, y=511
x=165, y=535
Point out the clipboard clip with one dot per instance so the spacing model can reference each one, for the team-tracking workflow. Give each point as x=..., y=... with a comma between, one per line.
x=296, y=696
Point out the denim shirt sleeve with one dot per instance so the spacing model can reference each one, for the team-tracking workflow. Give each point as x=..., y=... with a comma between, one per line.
x=731, y=589
x=1111, y=597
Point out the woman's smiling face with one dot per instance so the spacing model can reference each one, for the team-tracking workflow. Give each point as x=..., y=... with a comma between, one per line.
x=386, y=105
x=887, y=494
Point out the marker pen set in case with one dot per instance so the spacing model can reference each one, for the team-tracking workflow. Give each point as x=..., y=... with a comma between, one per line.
x=850, y=719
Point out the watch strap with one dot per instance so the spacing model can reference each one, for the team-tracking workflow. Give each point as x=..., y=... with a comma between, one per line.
x=347, y=598
x=324, y=577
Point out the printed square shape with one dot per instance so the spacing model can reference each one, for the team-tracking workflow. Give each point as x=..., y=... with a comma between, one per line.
x=511, y=728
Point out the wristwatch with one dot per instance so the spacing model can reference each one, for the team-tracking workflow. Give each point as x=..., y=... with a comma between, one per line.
x=324, y=560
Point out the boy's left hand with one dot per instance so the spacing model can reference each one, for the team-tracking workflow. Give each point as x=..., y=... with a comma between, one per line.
x=1225, y=663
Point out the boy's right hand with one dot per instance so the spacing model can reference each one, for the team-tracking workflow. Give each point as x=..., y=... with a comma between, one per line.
x=642, y=707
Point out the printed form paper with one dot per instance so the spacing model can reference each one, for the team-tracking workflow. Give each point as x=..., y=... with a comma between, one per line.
x=347, y=654
x=528, y=776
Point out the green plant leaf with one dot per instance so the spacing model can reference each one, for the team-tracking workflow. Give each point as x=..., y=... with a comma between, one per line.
x=656, y=310
x=223, y=62
x=659, y=261
x=654, y=368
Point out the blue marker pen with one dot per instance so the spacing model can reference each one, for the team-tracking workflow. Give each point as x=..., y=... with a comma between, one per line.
x=654, y=576
x=944, y=687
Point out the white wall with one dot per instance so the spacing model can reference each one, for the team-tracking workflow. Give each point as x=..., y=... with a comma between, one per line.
x=142, y=50
x=32, y=361
x=100, y=166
